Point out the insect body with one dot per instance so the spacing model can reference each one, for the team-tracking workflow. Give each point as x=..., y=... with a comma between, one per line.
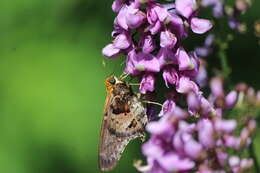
x=124, y=120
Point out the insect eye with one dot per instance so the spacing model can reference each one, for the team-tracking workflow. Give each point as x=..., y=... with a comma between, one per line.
x=112, y=81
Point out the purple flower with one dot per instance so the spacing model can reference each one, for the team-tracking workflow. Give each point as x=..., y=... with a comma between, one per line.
x=185, y=85
x=170, y=76
x=231, y=99
x=200, y=26
x=160, y=127
x=193, y=149
x=218, y=7
x=135, y=18
x=222, y=156
x=147, y=83
x=167, y=39
x=138, y=62
x=206, y=133
x=202, y=76
x=155, y=28
x=165, y=57
x=202, y=51
x=110, y=51
x=147, y=62
x=167, y=107
x=173, y=163
x=193, y=102
x=232, y=142
x=234, y=163
x=251, y=125
x=196, y=64
x=191, y=133
x=206, y=107
x=226, y=126
x=246, y=163
x=176, y=25
x=147, y=44
x=179, y=113
x=209, y=40
x=121, y=18
x=169, y=104
x=131, y=63
x=156, y=14
x=121, y=41
x=206, y=49
x=184, y=60
x=152, y=149
x=216, y=85
x=186, y=7
x=117, y=5
x=161, y=12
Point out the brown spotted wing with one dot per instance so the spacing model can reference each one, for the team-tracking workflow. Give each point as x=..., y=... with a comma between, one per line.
x=124, y=120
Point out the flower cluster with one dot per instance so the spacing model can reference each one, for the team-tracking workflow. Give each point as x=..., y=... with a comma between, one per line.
x=177, y=145
x=136, y=29
x=218, y=98
x=206, y=49
x=196, y=136
x=219, y=9
x=180, y=142
x=248, y=95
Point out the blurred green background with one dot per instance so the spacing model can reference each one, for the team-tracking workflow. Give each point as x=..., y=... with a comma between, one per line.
x=51, y=83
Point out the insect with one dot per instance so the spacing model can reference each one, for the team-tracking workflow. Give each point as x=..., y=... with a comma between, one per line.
x=124, y=120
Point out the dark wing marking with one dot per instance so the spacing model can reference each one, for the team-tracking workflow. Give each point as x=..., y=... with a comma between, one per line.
x=118, y=129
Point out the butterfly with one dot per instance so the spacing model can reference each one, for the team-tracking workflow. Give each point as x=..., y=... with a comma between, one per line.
x=124, y=120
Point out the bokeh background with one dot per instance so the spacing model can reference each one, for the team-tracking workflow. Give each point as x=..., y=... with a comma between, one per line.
x=51, y=83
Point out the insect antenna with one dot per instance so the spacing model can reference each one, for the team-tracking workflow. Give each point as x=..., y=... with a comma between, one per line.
x=123, y=76
x=151, y=102
x=134, y=84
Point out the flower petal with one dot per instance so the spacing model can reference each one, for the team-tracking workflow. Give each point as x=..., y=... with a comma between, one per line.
x=121, y=18
x=117, y=5
x=231, y=99
x=206, y=133
x=193, y=149
x=147, y=83
x=130, y=63
x=161, y=13
x=134, y=20
x=167, y=39
x=216, y=86
x=170, y=76
x=110, y=51
x=166, y=56
x=200, y=26
x=185, y=7
x=226, y=126
x=184, y=60
x=173, y=163
x=148, y=44
x=185, y=85
x=121, y=42
x=155, y=28
x=147, y=62
x=167, y=107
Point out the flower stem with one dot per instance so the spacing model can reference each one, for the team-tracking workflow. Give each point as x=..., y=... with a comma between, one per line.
x=253, y=155
x=223, y=60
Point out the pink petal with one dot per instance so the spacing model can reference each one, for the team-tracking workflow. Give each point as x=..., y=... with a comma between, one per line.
x=185, y=7
x=200, y=26
x=110, y=51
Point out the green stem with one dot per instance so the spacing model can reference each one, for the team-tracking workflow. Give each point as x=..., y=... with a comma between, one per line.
x=223, y=60
x=253, y=155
